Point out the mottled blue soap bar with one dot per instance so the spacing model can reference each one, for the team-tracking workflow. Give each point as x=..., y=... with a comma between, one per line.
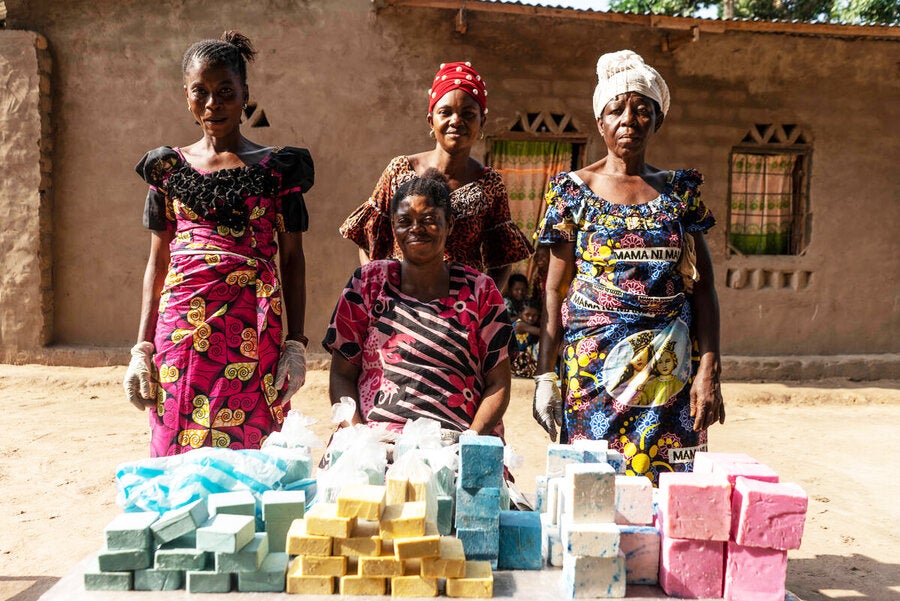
x=561, y=455
x=478, y=502
x=479, y=543
x=476, y=523
x=480, y=462
x=520, y=541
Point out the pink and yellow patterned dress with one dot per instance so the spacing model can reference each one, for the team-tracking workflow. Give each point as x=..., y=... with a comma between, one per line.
x=218, y=332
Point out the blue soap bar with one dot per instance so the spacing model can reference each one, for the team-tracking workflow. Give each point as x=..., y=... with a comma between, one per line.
x=479, y=542
x=179, y=522
x=208, y=582
x=561, y=455
x=475, y=523
x=444, y=514
x=540, y=502
x=478, y=502
x=121, y=560
x=520, y=540
x=158, y=580
x=480, y=462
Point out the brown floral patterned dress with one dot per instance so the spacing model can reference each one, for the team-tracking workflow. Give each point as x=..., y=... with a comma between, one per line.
x=483, y=236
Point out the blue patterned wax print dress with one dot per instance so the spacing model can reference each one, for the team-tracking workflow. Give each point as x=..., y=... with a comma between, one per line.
x=627, y=361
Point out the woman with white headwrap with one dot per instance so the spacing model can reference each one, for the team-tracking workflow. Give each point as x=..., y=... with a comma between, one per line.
x=630, y=297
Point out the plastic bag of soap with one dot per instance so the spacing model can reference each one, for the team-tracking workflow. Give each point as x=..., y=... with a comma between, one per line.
x=444, y=463
x=295, y=433
x=421, y=433
x=163, y=483
x=355, y=455
x=422, y=486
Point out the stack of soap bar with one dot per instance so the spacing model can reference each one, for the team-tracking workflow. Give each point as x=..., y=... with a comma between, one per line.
x=520, y=541
x=695, y=521
x=279, y=510
x=767, y=520
x=479, y=497
x=268, y=578
x=129, y=550
x=593, y=565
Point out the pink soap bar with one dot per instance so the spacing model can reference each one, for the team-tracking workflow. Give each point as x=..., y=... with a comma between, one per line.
x=754, y=573
x=755, y=471
x=695, y=506
x=768, y=514
x=703, y=460
x=691, y=569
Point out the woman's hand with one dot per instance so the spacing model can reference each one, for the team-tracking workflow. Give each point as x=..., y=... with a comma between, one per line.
x=707, y=405
x=140, y=386
x=291, y=367
x=548, y=405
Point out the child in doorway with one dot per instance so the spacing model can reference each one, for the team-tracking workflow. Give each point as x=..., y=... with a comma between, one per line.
x=526, y=336
x=516, y=293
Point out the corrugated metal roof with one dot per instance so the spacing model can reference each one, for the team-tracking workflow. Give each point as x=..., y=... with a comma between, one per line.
x=585, y=6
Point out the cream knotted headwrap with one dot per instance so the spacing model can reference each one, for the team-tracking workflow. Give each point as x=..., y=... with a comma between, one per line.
x=625, y=71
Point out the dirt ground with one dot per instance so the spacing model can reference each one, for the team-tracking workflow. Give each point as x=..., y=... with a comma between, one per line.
x=68, y=428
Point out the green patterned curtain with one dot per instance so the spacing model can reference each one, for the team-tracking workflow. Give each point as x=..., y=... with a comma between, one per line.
x=526, y=168
x=762, y=200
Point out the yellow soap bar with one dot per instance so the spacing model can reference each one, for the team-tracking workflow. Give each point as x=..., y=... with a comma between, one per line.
x=405, y=520
x=396, y=492
x=420, y=546
x=357, y=545
x=478, y=582
x=301, y=543
x=315, y=565
x=323, y=520
x=450, y=564
x=412, y=567
x=310, y=585
x=362, y=585
x=413, y=586
x=363, y=501
x=380, y=566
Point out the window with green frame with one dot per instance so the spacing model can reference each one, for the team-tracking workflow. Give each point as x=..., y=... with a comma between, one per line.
x=768, y=192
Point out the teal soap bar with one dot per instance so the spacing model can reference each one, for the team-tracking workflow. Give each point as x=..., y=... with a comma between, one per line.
x=281, y=505
x=478, y=502
x=158, y=580
x=179, y=522
x=269, y=578
x=561, y=455
x=479, y=543
x=480, y=462
x=130, y=530
x=95, y=580
x=475, y=523
x=120, y=560
x=208, y=582
x=444, y=514
x=181, y=559
x=248, y=559
x=240, y=502
x=225, y=533
x=520, y=541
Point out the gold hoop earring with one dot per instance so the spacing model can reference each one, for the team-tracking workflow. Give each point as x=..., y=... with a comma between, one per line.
x=481, y=136
x=431, y=134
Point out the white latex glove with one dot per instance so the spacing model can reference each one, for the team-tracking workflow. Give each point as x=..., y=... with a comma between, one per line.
x=548, y=404
x=140, y=387
x=291, y=365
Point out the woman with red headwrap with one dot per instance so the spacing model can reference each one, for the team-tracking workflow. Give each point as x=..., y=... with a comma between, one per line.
x=483, y=237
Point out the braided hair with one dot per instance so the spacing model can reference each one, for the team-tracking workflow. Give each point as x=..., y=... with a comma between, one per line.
x=233, y=49
x=432, y=185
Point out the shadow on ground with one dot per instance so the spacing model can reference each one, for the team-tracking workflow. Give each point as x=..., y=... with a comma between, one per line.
x=39, y=585
x=836, y=577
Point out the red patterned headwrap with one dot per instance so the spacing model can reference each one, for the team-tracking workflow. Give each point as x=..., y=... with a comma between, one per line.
x=452, y=76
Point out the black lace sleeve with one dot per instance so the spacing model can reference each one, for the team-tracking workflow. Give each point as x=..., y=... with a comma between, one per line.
x=297, y=176
x=155, y=168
